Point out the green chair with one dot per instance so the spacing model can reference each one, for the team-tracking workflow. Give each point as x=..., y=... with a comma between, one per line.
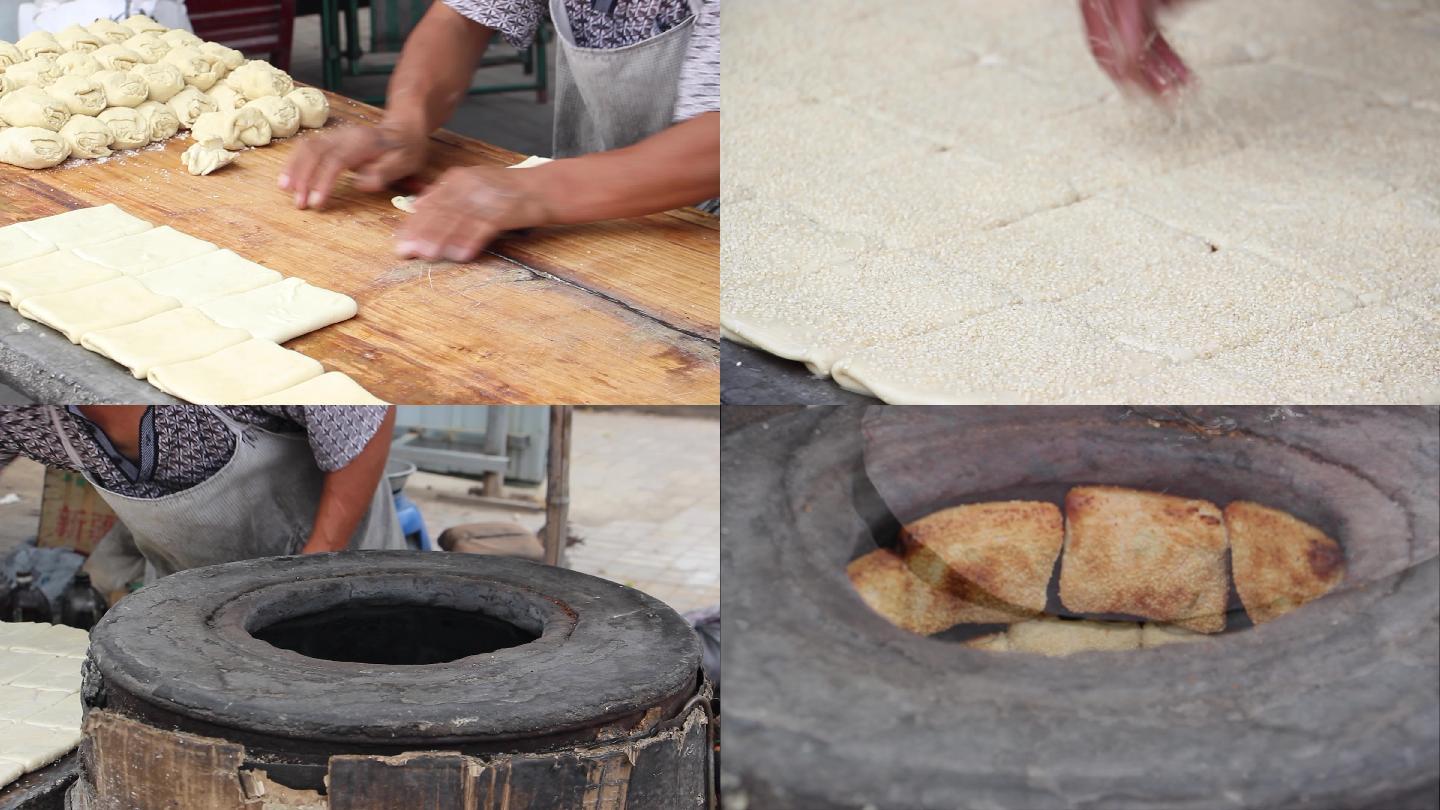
x=391, y=21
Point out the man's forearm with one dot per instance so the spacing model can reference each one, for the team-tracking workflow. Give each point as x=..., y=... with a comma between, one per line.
x=348, y=491
x=435, y=69
x=677, y=167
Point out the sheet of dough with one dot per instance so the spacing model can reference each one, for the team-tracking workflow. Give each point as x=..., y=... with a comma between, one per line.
x=99, y=306
x=85, y=226
x=235, y=375
x=33, y=747
x=19, y=702
x=64, y=715
x=281, y=311
x=205, y=278
x=145, y=344
x=1306, y=183
x=147, y=250
x=54, y=674
x=16, y=245
x=330, y=388
x=35, y=637
x=51, y=273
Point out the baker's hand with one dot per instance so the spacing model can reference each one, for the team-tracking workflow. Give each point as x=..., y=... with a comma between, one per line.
x=462, y=213
x=378, y=155
x=1129, y=46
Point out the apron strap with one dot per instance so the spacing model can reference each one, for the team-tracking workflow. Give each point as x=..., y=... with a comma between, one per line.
x=54, y=411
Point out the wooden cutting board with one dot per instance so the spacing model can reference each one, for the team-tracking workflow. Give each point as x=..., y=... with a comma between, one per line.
x=618, y=312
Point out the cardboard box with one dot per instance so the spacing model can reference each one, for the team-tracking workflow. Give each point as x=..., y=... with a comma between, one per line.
x=72, y=514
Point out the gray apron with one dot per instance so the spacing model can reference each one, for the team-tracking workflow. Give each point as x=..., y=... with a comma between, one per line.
x=260, y=504
x=610, y=98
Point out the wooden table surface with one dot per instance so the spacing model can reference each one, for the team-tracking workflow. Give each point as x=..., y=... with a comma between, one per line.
x=618, y=312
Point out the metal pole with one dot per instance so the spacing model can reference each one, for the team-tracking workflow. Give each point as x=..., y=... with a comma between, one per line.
x=497, y=431
x=557, y=486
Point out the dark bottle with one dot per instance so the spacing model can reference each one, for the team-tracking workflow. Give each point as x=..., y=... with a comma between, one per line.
x=4, y=598
x=27, y=602
x=81, y=605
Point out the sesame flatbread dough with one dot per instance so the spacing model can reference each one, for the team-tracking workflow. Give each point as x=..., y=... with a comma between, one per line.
x=330, y=388
x=49, y=273
x=988, y=220
x=1144, y=554
x=147, y=251
x=281, y=311
x=207, y=277
x=39, y=695
x=85, y=226
x=142, y=345
x=236, y=375
x=1279, y=561
x=97, y=306
x=16, y=245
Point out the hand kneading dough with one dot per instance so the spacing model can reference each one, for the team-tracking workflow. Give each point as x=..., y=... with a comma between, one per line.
x=281, y=113
x=160, y=120
x=189, y=104
x=110, y=31
x=150, y=47
x=229, y=57
x=40, y=43
x=129, y=127
x=122, y=88
x=76, y=39
x=80, y=95
x=16, y=245
x=236, y=129
x=146, y=251
x=207, y=156
x=78, y=64
x=117, y=57
x=202, y=279
x=141, y=24
x=236, y=375
x=162, y=80
x=99, y=306
x=313, y=105
x=257, y=79
x=34, y=73
x=281, y=311
x=142, y=345
x=33, y=107
x=226, y=98
x=200, y=71
x=32, y=147
x=51, y=273
x=85, y=226
x=330, y=388
x=88, y=137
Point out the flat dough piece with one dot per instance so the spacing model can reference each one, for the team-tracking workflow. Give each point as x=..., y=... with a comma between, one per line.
x=1144, y=554
x=53, y=639
x=1154, y=634
x=330, y=388
x=236, y=375
x=99, y=306
x=281, y=311
x=19, y=702
x=9, y=772
x=1061, y=637
x=205, y=278
x=63, y=715
x=147, y=250
x=16, y=245
x=34, y=747
x=998, y=556
x=55, y=674
x=30, y=636
x=48, y=274
x=891, y=589
x=85, y=226
x=142, y=345
x=1279, y=561
x=15, y=664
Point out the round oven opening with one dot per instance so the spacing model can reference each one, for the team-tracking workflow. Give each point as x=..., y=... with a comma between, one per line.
x=395, y=634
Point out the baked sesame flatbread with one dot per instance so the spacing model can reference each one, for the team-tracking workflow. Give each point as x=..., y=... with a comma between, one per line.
x=1279, y=561
x=889, y=587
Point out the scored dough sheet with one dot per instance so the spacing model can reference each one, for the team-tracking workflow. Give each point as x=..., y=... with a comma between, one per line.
x=151, y=298
x=40, y=709
x=330, y=388
x=989, y=220
x=236, y=375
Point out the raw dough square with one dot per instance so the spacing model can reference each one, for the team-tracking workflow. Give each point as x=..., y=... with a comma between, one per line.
x=1144, y=554
x=34, y=747
x=63, y=715
x=281, y=311
x=145, y=344
x=1279, y=561
x=147, y=250
x=55, y=674
x=205, y=278
x=16, y=665
x=19, y=702
x=998, y=556
x=330, y=388
x=51, y=273
x=9, y=771
x=1059, y=637
x=236, y=375
x=16, y=245
x=85, y=226
x=99, y=306
x=55, y=639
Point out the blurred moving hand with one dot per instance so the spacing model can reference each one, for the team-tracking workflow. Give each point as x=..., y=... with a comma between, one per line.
x=1130, y=48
